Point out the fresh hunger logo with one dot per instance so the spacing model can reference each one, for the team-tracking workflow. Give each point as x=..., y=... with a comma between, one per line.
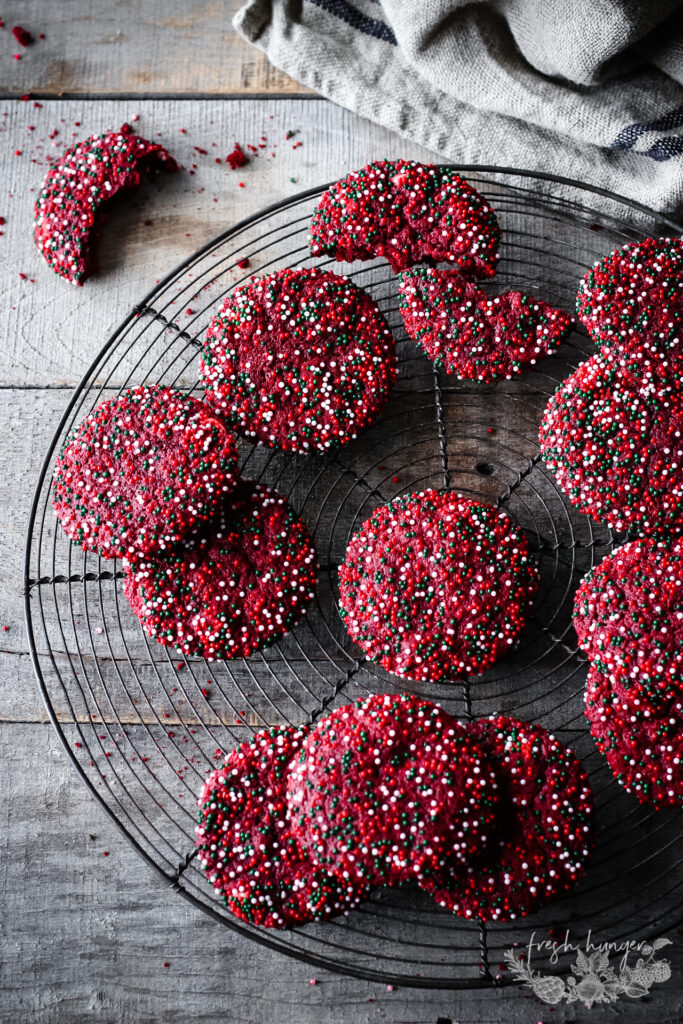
x=602, y=972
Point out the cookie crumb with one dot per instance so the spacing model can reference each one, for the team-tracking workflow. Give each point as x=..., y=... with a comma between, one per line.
x=237, y=158
x=22, y=35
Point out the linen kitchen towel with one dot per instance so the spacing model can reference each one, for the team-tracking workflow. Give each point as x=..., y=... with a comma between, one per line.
x=587, y=89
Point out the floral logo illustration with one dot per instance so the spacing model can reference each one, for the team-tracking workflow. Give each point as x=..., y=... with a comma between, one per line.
x=593, y=980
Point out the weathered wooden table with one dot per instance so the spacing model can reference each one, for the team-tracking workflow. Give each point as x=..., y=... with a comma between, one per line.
x=87, y=931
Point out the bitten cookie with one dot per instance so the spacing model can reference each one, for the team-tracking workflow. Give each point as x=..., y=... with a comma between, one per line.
x=246, y=845
x=545, y=826
x=472, y=336
x=300, y=359
x=84, y=178
x=435, y=585
x=389, y=789
x=613, y=437
x=236, y=587
x=142, y=471
x=634, y=296
x=407, y=213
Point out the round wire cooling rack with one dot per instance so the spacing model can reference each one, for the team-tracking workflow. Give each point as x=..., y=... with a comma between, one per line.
x=144, y=725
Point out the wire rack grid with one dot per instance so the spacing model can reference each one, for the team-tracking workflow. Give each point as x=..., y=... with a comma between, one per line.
x=143, y=725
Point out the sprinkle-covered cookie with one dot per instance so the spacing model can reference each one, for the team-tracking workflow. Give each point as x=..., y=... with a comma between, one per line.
x=247, y=848
x=613, y=437
x=83, y=179
x=634, y=596
x=407, y=213
x=300, y=359
x=634, y=704
x=236, y=587
x=435, y=585
x=472, y=336
x=634, y=296
x=141, y=471
x=628, y=615
x=390, y=789
x=545, y=826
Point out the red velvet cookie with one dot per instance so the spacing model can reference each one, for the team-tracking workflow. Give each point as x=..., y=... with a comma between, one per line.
x=235, y=588
x=435, y=585
x=389, y=789
x=613, y=437
x=84, y=178
x=545, y=826
x=248, y=849
x=472, y=336
x=634, y=704
x=300, y=359
x=634, y=296
x=628, y=615
x=407, y=213
x=141, y=471
x=634, y=596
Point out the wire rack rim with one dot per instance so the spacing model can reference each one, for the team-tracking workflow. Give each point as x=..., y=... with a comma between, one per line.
x=172, y=877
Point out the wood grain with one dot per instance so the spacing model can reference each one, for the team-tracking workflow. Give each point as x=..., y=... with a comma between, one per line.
x=85, y=937
x=160, y=47
x=52, y=330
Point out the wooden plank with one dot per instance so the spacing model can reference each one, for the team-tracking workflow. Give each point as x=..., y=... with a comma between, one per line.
x=164, y=48
x=154, y=694
x=52, y=330
x=86, y=935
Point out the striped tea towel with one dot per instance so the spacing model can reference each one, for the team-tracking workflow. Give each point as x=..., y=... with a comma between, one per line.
x=587, y=89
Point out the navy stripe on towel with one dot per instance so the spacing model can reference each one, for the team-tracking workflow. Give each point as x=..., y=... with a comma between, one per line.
x=356, y=19
x=629, y=135
x=664, y=149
